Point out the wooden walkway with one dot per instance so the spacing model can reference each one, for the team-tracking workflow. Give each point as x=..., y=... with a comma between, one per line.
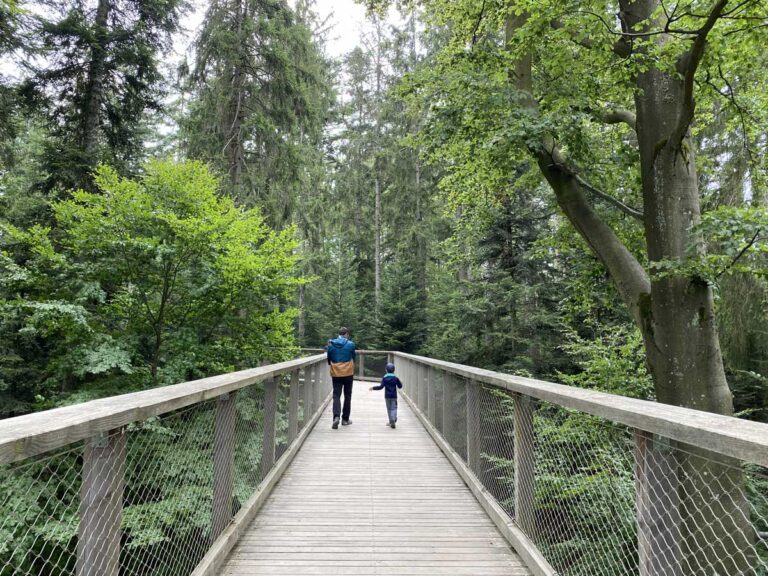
x=368, y=500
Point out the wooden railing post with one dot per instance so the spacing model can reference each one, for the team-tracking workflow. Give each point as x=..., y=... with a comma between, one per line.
x=473, y=432
x=101, y=505
x=657, y=503
x=293, y=407
x=423, y=388
x=308, y=411
x=431, y=395
x=361, y=366
x=270, y=420
x=315, y=387
x=525, y=459
x=447, y=404
x=223, y=461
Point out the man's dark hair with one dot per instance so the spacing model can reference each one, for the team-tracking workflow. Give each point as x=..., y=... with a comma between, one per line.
x=343, y=331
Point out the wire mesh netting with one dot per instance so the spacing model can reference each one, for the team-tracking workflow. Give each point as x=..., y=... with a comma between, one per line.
x=373, y=363
x=151, y=497
x=598, y=498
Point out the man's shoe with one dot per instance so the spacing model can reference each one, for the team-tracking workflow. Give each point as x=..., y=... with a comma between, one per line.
x=346, y=422
x=392, y=425
x=335, y=424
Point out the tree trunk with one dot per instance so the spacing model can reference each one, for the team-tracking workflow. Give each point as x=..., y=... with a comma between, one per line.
x=94, y=94
x=675, y=315
x=377, y=177
x=233, y=121
x=377, y=247
x=678, y=323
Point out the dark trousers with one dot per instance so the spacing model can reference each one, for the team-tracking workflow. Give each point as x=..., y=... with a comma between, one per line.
x=339, y=384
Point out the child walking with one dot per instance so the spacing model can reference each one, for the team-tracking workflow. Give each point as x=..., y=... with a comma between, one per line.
x=390, y=383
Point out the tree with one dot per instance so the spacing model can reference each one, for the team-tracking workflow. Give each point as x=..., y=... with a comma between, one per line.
x=261, y=95
x=99, y=75
x=149, y=281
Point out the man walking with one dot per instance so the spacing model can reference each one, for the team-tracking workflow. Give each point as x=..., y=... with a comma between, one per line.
x=341, y=359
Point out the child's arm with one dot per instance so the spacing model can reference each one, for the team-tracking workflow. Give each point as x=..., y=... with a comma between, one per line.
x=379, y=387
x=399, y=383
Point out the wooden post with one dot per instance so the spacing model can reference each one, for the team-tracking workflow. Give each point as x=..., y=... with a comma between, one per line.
x=361, y=366
x=657, y=504
x=431, y=395
x=525, y=459
x=308, y=410
x=293, y=407
x=316, y=387
x=423, y=388
x=270, y=420
x=447, y=405
x=101, y=505
x=473, y=445
x=223, y=461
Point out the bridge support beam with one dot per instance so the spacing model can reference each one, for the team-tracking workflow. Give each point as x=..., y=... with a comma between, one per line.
x=270, y=421
x=223, y=462
x=525, y=458
x=101, y=504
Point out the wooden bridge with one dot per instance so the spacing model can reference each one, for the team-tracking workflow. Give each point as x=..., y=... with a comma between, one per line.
x=486, y=474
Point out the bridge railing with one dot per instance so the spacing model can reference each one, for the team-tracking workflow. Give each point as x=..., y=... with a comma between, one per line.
x=593, y=484
x=157, y=482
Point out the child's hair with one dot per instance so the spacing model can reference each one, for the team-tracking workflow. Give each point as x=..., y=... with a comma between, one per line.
x=390, y=368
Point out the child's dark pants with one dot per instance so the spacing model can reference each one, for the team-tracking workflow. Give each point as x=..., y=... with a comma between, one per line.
x=391, y=409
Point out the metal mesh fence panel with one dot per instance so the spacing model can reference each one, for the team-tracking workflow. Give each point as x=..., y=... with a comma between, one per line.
x=151, y=497
x=584, y=519
x=599, y=498
x=374, y=364
x=166, y=515
x=39, y=514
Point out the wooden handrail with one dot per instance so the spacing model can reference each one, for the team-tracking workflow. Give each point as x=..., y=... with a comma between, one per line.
x=742, y=439
x=26, y=436
x=32, y=434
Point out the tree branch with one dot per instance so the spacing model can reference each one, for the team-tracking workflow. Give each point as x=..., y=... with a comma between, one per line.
x=741, y=253
x=610, y=199
x=631, y=278
x=621, y=47
x=617, y=116
x=688, y=66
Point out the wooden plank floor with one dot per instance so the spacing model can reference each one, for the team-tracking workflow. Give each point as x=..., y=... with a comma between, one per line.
x=366, y=500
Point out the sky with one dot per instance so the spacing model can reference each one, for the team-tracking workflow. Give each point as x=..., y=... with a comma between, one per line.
x=347, y=17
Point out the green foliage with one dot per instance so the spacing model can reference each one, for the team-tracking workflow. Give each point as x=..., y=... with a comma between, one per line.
x=155, y=280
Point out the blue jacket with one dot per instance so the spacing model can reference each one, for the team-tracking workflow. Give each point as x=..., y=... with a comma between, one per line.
x=340, y=350
x=390, y=383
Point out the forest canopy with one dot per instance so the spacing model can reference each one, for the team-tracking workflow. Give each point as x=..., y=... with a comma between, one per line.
x=492, y=183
